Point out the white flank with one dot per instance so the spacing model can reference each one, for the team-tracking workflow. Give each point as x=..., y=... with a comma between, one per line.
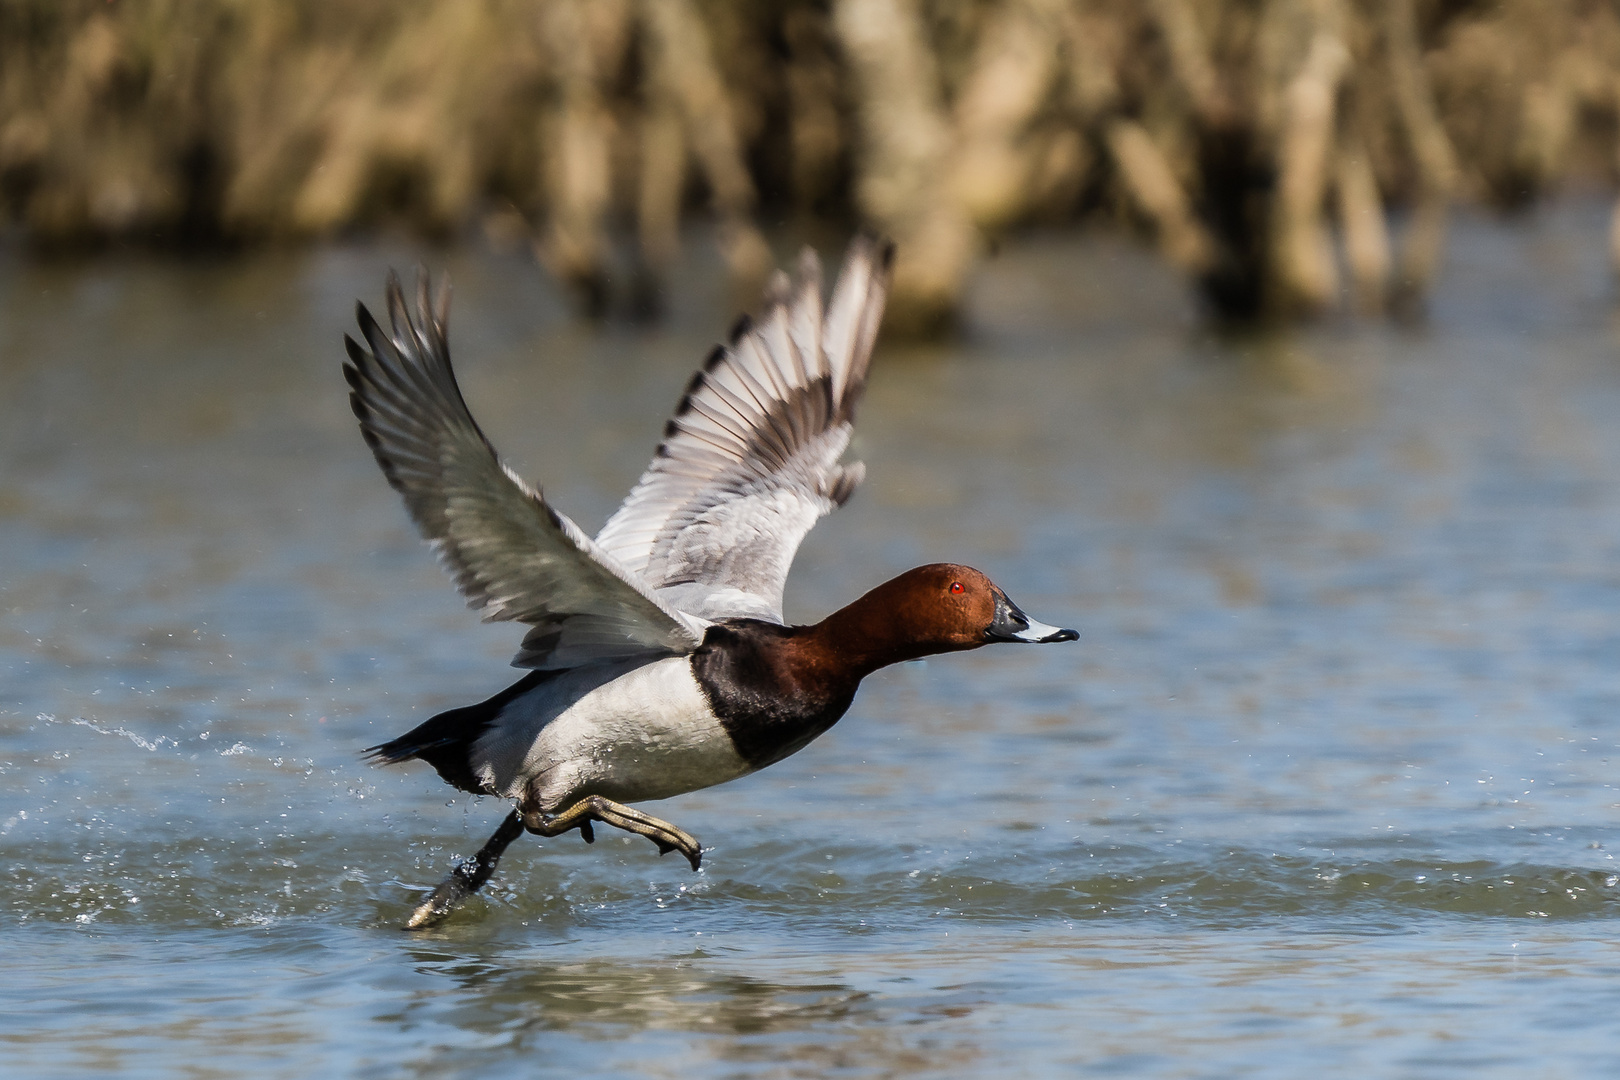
x=629, y=735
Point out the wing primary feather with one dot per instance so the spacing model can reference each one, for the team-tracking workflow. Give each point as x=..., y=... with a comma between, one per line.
x=733, y=365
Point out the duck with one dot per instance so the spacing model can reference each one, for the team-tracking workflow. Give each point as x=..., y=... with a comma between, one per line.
x=658, y=659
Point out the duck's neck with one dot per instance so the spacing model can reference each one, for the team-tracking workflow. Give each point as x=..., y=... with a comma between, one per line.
x=774, y=688
x=863, y=637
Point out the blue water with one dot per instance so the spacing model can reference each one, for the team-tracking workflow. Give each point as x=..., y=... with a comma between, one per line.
x=1328, y=785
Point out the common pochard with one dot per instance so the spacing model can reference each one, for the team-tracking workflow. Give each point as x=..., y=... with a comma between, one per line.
x=659, y=660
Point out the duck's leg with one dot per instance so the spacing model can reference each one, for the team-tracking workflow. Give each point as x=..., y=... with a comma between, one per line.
x=595, y=808
x=467, y=878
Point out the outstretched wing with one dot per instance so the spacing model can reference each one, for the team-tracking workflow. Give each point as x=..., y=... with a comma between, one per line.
x=750, y=461
x=512, y=555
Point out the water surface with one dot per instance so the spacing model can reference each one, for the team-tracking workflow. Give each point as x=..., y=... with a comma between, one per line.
x=1327, y=786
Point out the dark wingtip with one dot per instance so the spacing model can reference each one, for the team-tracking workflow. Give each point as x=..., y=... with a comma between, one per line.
x=370, y=328
x=880, y=247
x=884, y=250
x=685, y=404
x=740, y=328
x=352, y=347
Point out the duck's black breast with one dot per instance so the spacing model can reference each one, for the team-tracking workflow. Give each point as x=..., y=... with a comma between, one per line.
x=770, y=693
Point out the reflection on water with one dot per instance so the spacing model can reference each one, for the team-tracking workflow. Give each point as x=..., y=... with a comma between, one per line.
x=677, y=993
x=1327, y=783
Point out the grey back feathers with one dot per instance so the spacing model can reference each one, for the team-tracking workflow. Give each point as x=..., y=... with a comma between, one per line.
x=748, y=464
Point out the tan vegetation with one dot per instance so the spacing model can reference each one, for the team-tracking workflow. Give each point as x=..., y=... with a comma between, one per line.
x=1290, y=155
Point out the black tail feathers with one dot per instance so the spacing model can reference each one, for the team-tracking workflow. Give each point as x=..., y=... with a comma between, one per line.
x=445, y=742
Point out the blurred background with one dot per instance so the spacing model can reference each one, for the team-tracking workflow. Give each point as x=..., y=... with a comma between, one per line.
x=1270, y=344
x=1288, y=156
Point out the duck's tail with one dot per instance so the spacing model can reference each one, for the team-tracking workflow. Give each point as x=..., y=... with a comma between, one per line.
x=446, y=740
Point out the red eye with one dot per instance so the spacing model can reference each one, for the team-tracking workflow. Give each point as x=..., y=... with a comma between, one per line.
x=956, y=586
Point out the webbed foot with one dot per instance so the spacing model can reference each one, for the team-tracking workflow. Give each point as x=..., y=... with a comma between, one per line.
x=595, y=808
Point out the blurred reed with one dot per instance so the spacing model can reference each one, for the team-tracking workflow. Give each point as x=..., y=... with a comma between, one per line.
x=1291, y=156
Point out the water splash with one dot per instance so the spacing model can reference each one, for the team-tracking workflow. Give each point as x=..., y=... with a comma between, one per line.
x=144, y=743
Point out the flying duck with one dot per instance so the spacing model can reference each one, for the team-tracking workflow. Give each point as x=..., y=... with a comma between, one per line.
x=658, y=659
